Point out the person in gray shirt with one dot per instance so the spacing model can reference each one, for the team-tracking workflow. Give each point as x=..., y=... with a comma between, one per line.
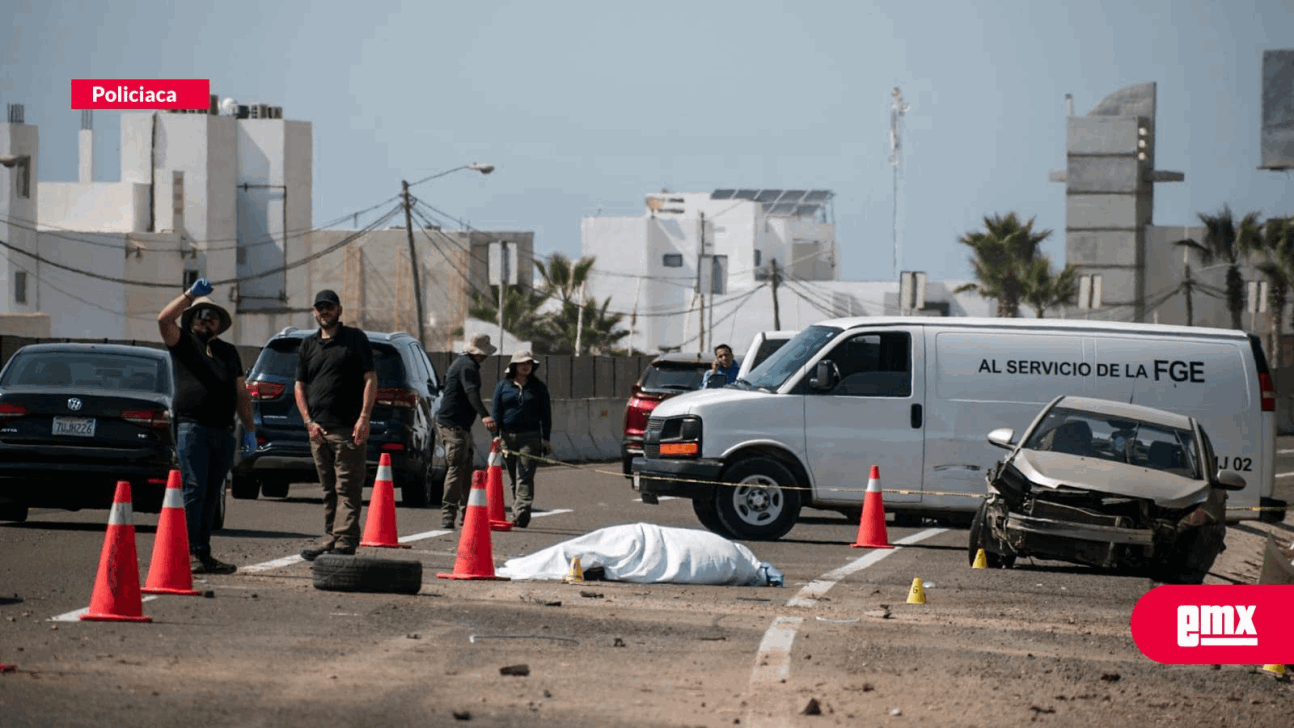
x=459, y=407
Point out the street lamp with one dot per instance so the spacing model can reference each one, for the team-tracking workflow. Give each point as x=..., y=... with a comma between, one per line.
x=413, y=251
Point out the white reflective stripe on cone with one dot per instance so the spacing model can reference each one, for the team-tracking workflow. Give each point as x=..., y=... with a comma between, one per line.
x=174, y=498
x=477, y=498
x=873, y=486
x=496, y=458
x=121, y=515
x=384, y=473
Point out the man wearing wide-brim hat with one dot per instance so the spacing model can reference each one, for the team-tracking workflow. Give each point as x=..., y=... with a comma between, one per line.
x=459, y=406
x=209, y=390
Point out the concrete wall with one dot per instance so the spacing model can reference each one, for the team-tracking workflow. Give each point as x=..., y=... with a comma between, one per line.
x=19, y=139
x=277, y=153
x=109, y=207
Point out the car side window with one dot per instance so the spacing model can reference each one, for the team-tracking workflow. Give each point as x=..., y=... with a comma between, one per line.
x=417, y=369
x=873, y=365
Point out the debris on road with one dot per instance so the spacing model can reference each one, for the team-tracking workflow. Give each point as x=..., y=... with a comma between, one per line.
x=520, y=670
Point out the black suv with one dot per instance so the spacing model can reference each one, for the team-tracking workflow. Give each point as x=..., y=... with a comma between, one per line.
x=402, y=422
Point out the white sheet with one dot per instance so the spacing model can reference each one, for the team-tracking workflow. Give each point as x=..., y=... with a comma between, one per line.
x=645, y=553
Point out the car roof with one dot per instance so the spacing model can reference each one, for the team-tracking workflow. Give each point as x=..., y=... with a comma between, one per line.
x=1123, y=409
x=291, y=332
x=96, y=348
x=679, y=357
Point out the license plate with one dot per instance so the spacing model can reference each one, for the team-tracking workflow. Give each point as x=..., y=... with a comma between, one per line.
x=79, y=426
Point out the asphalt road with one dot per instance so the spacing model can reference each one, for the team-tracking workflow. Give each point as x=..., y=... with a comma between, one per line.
x=1043, y=642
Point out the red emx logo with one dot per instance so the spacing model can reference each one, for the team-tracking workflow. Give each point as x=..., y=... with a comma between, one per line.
x=1216, y=624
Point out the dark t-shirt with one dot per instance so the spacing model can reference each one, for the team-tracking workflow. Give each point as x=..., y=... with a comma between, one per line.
x=332, y=371
x=204, y=385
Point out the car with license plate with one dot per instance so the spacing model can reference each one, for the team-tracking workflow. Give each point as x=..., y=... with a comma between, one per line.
x=408, y=393
x=1106, y=484
x=77, y=418
x=668, y=375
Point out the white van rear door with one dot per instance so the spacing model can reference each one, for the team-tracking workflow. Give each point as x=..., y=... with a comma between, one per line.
x=874, y=415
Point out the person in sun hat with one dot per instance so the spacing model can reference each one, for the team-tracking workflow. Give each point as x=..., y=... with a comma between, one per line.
x=459, y=406
x=210, y=390
x=525, y=417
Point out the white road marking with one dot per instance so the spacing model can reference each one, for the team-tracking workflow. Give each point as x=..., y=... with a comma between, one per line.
x=1284, y=475
x=1286, y=451
x=773, y=661
x=76, y=616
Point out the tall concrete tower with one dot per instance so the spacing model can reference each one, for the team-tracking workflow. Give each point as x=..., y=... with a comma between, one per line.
x=1110, y=194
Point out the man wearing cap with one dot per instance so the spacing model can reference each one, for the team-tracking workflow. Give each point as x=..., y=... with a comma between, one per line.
x=459, y=406
x=335, y=391
x=525, y=414
x=209, y=389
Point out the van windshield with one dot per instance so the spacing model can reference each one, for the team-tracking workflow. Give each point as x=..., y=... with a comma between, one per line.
x=786, y=361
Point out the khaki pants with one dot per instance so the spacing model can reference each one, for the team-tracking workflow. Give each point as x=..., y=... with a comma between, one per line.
x=342, y=469
x=521, y=468
x=459, y=454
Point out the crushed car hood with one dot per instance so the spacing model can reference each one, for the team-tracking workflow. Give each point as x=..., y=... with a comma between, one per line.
x=1053, y=469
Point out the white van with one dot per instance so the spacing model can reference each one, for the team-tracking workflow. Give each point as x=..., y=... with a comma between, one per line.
x=761, y=347
x=918, y=396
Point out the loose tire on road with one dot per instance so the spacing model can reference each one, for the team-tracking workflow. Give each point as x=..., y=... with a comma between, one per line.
x=760, y=505
x=333, y=572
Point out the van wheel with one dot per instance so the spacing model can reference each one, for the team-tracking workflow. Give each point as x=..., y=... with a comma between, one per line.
x=761, y=505
x=707, y=512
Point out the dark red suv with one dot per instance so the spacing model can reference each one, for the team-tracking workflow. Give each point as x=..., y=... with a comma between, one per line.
x=668, y=375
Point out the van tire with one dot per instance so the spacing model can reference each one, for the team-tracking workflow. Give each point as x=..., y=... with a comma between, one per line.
x=761, y=504
x=707, y=512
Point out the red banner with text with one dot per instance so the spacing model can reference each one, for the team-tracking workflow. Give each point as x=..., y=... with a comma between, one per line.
x=1216, y=624
x=141, y=94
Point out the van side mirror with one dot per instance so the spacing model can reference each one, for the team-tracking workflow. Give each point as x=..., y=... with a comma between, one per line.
x=823, y=377
x=1002, y=437
x=1230, y=480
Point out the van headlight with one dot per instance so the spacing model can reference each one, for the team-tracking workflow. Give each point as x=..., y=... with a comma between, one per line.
x=681, y=437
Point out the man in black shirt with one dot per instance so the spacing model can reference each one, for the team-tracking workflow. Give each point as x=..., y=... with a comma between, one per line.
x=335, y=390
x=459, y=406
x=209, y=388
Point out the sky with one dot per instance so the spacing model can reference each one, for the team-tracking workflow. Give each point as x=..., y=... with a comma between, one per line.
x=585, y=107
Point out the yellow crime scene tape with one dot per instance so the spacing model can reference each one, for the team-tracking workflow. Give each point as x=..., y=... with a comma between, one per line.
x=894, y=491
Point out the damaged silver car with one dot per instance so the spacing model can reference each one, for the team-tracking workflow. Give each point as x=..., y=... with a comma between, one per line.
x=1110, y=485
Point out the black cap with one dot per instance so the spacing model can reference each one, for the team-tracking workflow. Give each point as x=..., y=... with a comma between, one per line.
x=327, y=296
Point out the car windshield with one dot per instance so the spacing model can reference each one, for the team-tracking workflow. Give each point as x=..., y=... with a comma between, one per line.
x=667, y=375
x=787, y=360
x=1124, y=440
x=279, y=359
x=88, y=369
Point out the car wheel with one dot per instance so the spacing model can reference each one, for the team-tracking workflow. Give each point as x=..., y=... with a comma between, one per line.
x=419, y=491
x=275, y=488
x=13, y=511
x=979, y=539
x=245, y=487
x=760, y=504
x=333, y=572
x=707, y=512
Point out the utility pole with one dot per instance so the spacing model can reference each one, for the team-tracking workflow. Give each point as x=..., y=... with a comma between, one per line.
x=633, y=319
x=700, y=284
x=897, y=110
x=777, y=278
x=505, y=274
x=579, y=323
x=413, y=266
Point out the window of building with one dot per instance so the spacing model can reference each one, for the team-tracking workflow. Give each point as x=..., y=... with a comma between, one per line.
x=758, y=258
x=23, y=177
x=20, y=287
x=673, y=260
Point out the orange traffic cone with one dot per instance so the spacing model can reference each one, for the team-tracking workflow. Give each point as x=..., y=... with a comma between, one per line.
x=169, y=571
x=871, y=527
x=494, y=489
x=475, y=557
x=116, y=590
x=379, y=529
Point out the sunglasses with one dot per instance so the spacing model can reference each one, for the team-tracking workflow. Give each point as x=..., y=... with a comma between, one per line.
x=326, y=307
x=207, y=315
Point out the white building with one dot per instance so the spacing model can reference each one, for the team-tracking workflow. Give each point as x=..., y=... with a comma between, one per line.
x=730, y=242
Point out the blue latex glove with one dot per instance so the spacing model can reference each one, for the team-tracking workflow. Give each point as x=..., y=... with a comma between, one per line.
x=200, y=287
x=249, y=442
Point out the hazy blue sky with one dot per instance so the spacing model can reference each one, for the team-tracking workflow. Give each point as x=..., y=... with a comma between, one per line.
x=589, y=105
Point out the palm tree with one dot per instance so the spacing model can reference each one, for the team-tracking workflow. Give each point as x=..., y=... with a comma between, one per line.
x=1002, y=256
x=520, y=314
x=1044, y=290
x=1276, y=243
x=576, y=316
x=1224, y=241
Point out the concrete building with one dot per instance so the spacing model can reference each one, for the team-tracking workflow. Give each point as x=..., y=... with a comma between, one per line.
x=224, y=194
x=696, y=269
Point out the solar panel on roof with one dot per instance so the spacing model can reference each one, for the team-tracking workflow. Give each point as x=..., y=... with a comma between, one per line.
x=745, y=194
x=807, y=210
x=782, y=208
x=817, y=195
x=768, y=195
x=722, y=194
x=792, y=196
